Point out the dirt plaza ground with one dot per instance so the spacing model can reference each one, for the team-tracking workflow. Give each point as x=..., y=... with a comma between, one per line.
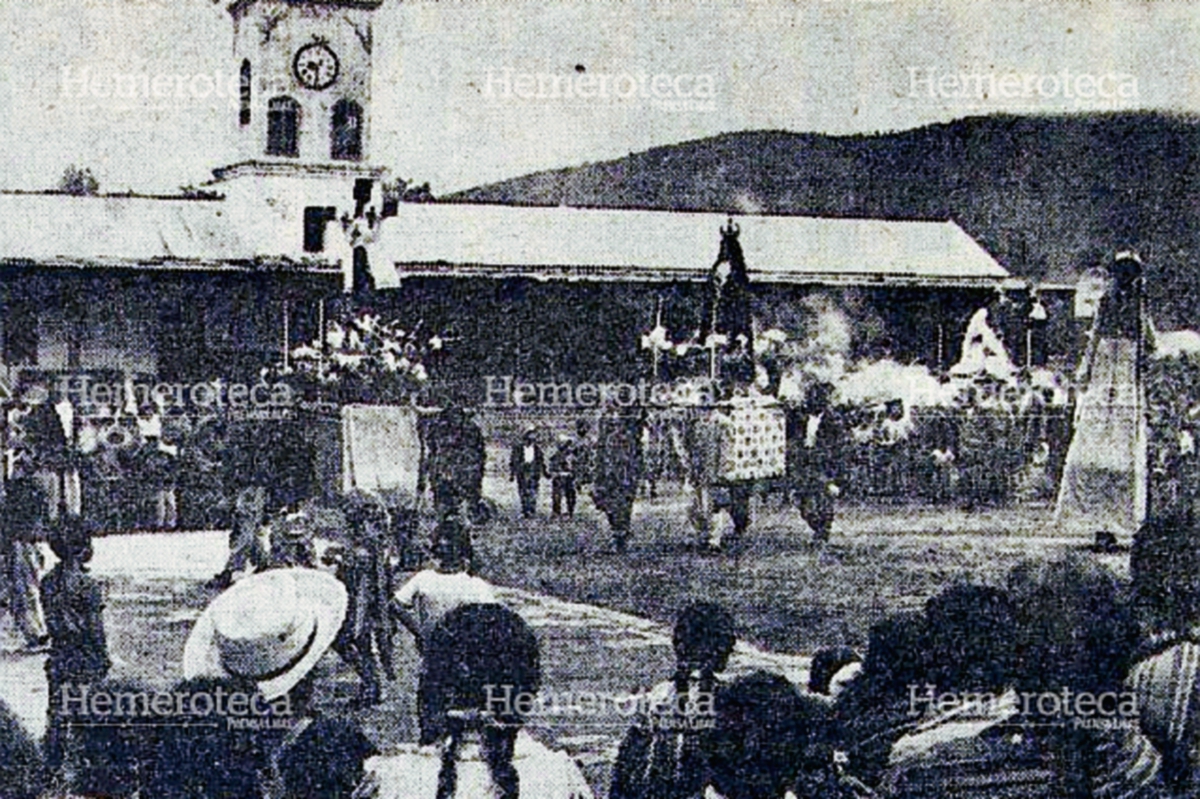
x=603, y=618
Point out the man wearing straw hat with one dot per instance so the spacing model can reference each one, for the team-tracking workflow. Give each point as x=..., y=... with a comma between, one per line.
x=270, y=630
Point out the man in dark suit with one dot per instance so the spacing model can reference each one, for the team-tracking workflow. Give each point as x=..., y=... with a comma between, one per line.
x=526, y=467
x=618, y=470
x=816, y=445
x=455, y=457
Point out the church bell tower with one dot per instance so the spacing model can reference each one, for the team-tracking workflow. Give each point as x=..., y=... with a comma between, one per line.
x=305, y=69
x=301, y=127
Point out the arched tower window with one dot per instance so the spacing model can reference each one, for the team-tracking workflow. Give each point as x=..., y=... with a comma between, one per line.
x=244, y=96
x=345, y=135
x=283, y=127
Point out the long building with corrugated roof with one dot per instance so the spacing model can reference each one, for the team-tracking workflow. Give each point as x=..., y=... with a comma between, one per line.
x=225, y=280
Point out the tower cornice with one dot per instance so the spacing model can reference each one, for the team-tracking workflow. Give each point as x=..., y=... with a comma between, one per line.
x=237, y=7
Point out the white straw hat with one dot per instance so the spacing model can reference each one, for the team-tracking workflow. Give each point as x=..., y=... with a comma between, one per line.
x=270, y=627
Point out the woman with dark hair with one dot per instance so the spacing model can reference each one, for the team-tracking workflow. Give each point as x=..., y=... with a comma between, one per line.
x=970, y=638
x=875, y=709
x=268, y=747
x=765, y=734
x=113, y=755
x=661, y=754
x=832, y=669
x=1165, y=567
x=200, y=759
x=481, y=665
x=1076, y=635
x=74, y=607
x=968, y=740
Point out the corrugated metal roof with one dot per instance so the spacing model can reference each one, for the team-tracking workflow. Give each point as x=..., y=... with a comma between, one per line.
x=437, y=238
x=625, y=244
x=64, y=230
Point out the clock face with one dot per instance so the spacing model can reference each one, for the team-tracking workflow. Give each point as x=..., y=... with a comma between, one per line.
x=315, y=66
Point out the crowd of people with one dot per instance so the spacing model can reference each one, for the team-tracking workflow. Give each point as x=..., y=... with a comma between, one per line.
x=249, y=716
x=995, y=444
x=991, y=447
x=1064, y=681
x=119, y=467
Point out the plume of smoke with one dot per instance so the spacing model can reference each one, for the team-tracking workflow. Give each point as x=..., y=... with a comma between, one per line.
x=822, y=353
x=877, y=382
x=747, y=203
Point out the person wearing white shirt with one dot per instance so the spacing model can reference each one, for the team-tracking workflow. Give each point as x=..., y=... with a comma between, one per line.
x=429, y=595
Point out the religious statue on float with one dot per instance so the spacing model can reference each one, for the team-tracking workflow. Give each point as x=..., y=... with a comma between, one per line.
x=729, y=436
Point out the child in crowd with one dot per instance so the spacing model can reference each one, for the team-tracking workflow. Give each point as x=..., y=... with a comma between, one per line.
x=74, y=606
x=561, y=471
x=766, y=735
x=363, y=566
x=662, y=754
x=291, y=541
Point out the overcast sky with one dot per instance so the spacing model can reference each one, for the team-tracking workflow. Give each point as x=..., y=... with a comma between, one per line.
x=447, y=109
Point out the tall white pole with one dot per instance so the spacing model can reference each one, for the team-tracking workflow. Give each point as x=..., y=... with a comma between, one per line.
x=286, y=337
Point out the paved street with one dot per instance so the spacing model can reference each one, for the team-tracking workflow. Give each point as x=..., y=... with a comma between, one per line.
x=154, y=587
x=603, y=619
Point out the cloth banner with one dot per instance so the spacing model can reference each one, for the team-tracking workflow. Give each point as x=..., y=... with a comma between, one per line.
x=1104, y=479
x=753, y=442
x=381, y=450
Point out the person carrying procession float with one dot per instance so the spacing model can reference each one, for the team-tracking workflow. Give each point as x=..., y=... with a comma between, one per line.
x=735, y=435
x=268, y=471
x=453, y=462
x=816, y=440
x=618, y=468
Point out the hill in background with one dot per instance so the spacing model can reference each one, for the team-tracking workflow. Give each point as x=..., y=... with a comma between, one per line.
x=1048, y=196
